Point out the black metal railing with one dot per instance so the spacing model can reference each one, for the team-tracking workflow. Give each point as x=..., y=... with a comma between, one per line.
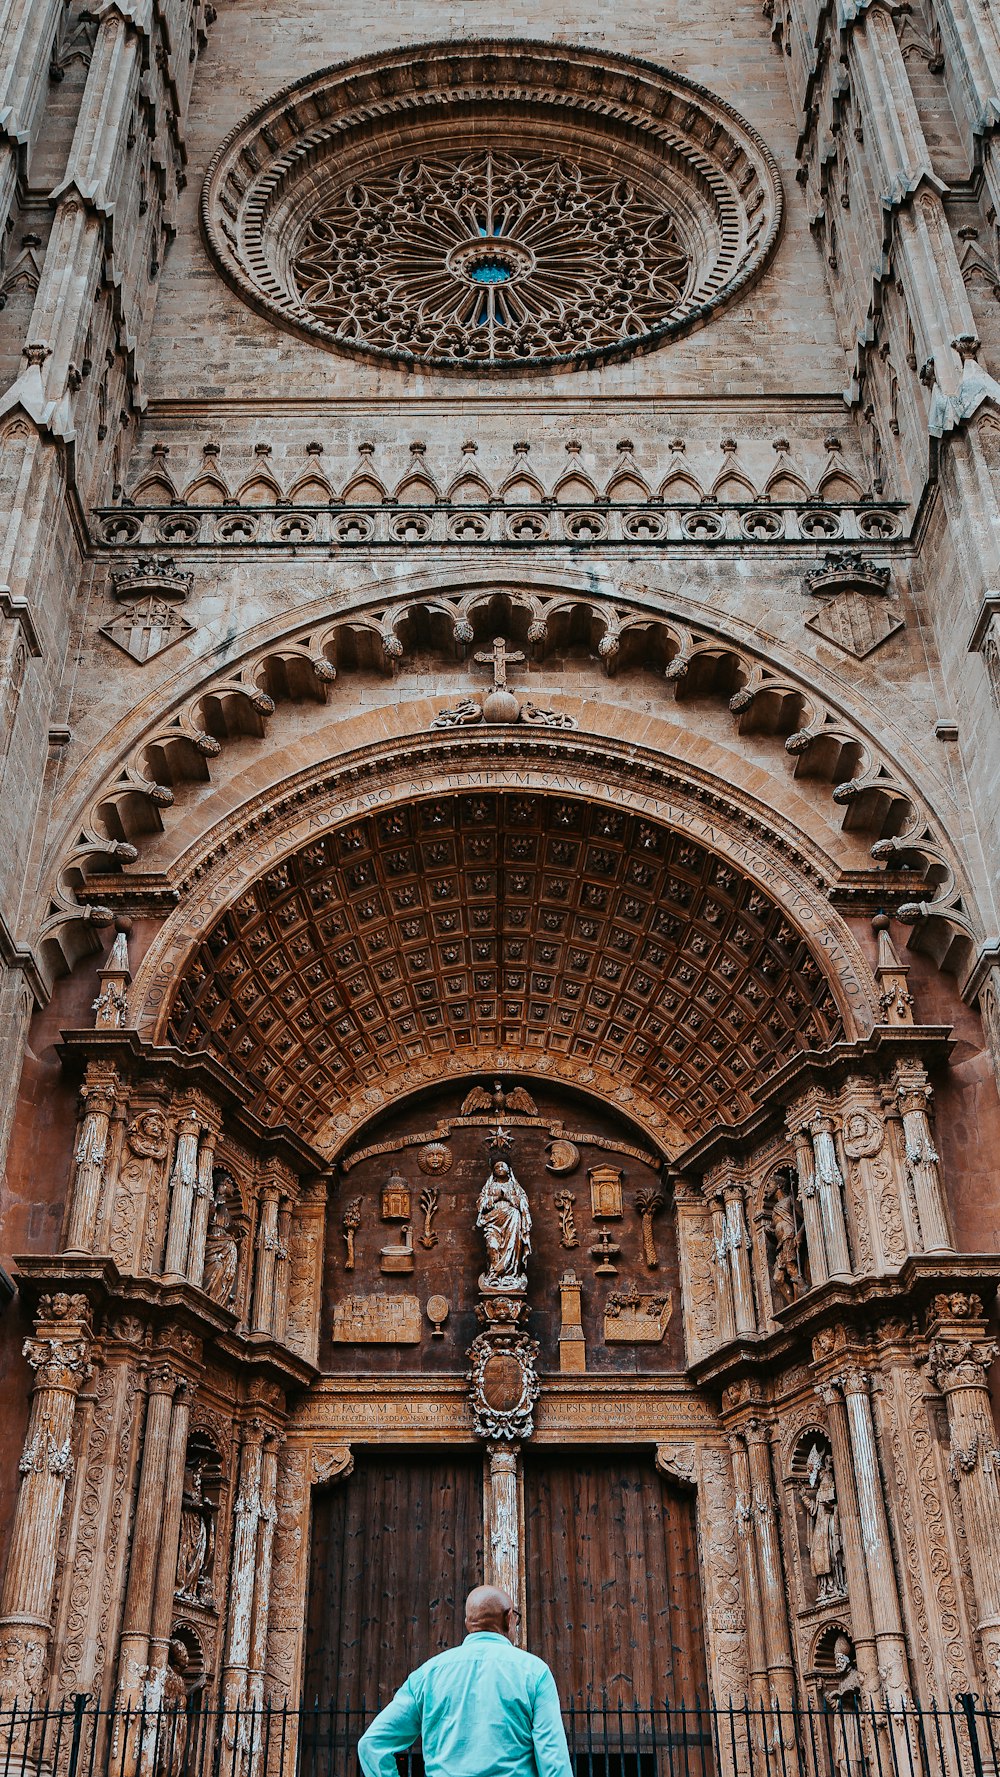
x=76, y=1738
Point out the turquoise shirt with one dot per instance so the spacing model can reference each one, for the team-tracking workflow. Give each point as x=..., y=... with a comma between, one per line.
x=484, y=1709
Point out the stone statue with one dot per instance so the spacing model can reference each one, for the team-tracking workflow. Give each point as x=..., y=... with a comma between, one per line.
x=195, y=1551
x=221, y=1255
x=505, y=1219
x=843, y=1690
x=826, y=1547
x=786, y=1269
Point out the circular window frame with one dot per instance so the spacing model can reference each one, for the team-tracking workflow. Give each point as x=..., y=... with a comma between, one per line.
x=276, y=164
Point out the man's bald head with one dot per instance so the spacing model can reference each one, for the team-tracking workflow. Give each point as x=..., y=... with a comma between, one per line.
x=488, y=1609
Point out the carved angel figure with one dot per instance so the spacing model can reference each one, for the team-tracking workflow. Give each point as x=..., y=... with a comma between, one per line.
x=826, y=1547
x=505, y=1219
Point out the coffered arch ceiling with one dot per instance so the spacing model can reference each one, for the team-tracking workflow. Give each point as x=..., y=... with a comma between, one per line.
x=562, y=932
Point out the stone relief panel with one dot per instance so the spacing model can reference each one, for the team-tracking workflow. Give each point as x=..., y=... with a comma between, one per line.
x=378, y=1315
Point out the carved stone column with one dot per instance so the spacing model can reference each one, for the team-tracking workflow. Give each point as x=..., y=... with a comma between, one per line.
x=808, y=1197
x=262, y=1307
x=829, y=1188
x=58, y=1353
x=725, y=1294
x=749, y=1574
x=774, y=1592
x=504, y=1552
x=98, y=1098
x=183, y=1180
x=886, y=1616
x=246, y=1521
x=960, y=1357
x=203, y=1197
x=738, y=1243
x=913, y=1098
x=170, y=1530
x=133, y=1657
x=282, y=1258
x=862, y=1625
x=267, y=1518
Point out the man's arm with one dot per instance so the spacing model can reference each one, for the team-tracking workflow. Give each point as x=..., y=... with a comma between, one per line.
x=547, y=1731
x=393, y=1730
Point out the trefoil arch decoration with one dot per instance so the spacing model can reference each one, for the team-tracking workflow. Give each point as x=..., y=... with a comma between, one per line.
x=492, y=205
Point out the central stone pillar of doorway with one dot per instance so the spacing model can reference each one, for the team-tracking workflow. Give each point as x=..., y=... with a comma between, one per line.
x=503, y=1380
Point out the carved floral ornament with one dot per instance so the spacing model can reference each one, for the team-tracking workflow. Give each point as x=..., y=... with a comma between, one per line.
x=500, y=204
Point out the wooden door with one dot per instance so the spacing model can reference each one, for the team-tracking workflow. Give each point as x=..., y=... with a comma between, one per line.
x=395, y=1550
x=613, y=1593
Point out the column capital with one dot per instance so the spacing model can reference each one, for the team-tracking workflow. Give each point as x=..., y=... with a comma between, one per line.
x=961, y=1363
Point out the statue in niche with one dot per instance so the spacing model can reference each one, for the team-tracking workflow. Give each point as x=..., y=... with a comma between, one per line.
x=843, y=1689
x=826, y=1545
x=221, y=1253
x=197, y=1539
x=505, y=1219
x=786, y=1265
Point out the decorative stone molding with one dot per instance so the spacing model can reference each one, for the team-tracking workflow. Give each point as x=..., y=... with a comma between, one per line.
x=661, y=204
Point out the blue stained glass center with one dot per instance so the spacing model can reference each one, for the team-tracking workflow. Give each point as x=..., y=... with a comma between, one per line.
x=490, y=271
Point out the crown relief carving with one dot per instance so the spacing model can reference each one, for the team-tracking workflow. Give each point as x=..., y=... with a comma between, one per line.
x=371, y=226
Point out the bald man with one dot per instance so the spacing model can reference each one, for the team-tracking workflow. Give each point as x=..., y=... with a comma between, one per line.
x=484, y=1709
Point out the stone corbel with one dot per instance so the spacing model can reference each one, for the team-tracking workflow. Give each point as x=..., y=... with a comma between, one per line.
x=330, y=1462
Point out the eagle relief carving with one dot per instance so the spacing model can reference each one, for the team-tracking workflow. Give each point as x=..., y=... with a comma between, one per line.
x=500, y=1100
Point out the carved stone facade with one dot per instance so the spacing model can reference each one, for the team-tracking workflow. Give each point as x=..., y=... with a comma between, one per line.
x=501, y=816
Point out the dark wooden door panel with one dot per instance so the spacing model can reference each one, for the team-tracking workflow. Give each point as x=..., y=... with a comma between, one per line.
x=395, y=1550
x=614, y=1599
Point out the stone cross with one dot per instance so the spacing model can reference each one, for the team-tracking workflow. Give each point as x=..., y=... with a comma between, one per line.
x=499, y=659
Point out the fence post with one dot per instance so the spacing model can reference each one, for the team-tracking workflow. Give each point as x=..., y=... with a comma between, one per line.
x=967, y=1700
x=79, y=1705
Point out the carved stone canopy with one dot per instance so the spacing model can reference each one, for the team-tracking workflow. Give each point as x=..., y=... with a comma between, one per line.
x=497, y=204
x=538, y=922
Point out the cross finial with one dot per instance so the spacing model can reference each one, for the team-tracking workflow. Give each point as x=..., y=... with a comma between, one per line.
x=499, y=659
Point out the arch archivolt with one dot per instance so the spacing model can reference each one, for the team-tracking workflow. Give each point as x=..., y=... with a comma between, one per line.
x=263, y=835
x=174, y=757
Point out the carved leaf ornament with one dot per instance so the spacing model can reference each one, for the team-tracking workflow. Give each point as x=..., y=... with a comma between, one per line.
x=492, y=205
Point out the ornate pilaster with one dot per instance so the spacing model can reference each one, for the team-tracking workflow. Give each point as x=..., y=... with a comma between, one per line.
x=868, y=1557
x=203, y=1199
x=739, y=1242
x=960, y=1357
x=746, y=1544
x=504, y=1551
x=183, y=1180
x=246, y=1524
x=923, y=1166
x=774, y=1590
x=829, y=1184
x=724, y=1287
x=58, y=1352
x=170, y=1528
x=133, y=1659
x=268, y=1244
x=267, y=1519
x=98, y=1098
x=305, y=1270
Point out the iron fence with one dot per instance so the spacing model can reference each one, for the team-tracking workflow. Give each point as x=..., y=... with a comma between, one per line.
x=77, y=1738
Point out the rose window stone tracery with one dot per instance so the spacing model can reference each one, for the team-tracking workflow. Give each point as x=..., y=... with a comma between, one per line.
x=491, y=257
x=498, y=206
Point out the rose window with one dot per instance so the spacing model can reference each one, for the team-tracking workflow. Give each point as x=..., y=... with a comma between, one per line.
x=500, y=206
x=492, y=257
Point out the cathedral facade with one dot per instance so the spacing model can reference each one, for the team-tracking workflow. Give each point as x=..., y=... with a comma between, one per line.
x=500, y=819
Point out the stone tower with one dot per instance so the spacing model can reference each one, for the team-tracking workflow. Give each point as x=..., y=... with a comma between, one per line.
x=499, y=730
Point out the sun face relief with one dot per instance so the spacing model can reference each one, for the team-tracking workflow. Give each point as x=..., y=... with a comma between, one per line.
x=502, y=206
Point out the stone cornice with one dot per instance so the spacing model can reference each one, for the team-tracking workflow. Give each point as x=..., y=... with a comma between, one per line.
x=860, y=1300
x=881, y=1047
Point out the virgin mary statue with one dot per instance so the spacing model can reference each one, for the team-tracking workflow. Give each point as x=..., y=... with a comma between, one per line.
x=505, y=1219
